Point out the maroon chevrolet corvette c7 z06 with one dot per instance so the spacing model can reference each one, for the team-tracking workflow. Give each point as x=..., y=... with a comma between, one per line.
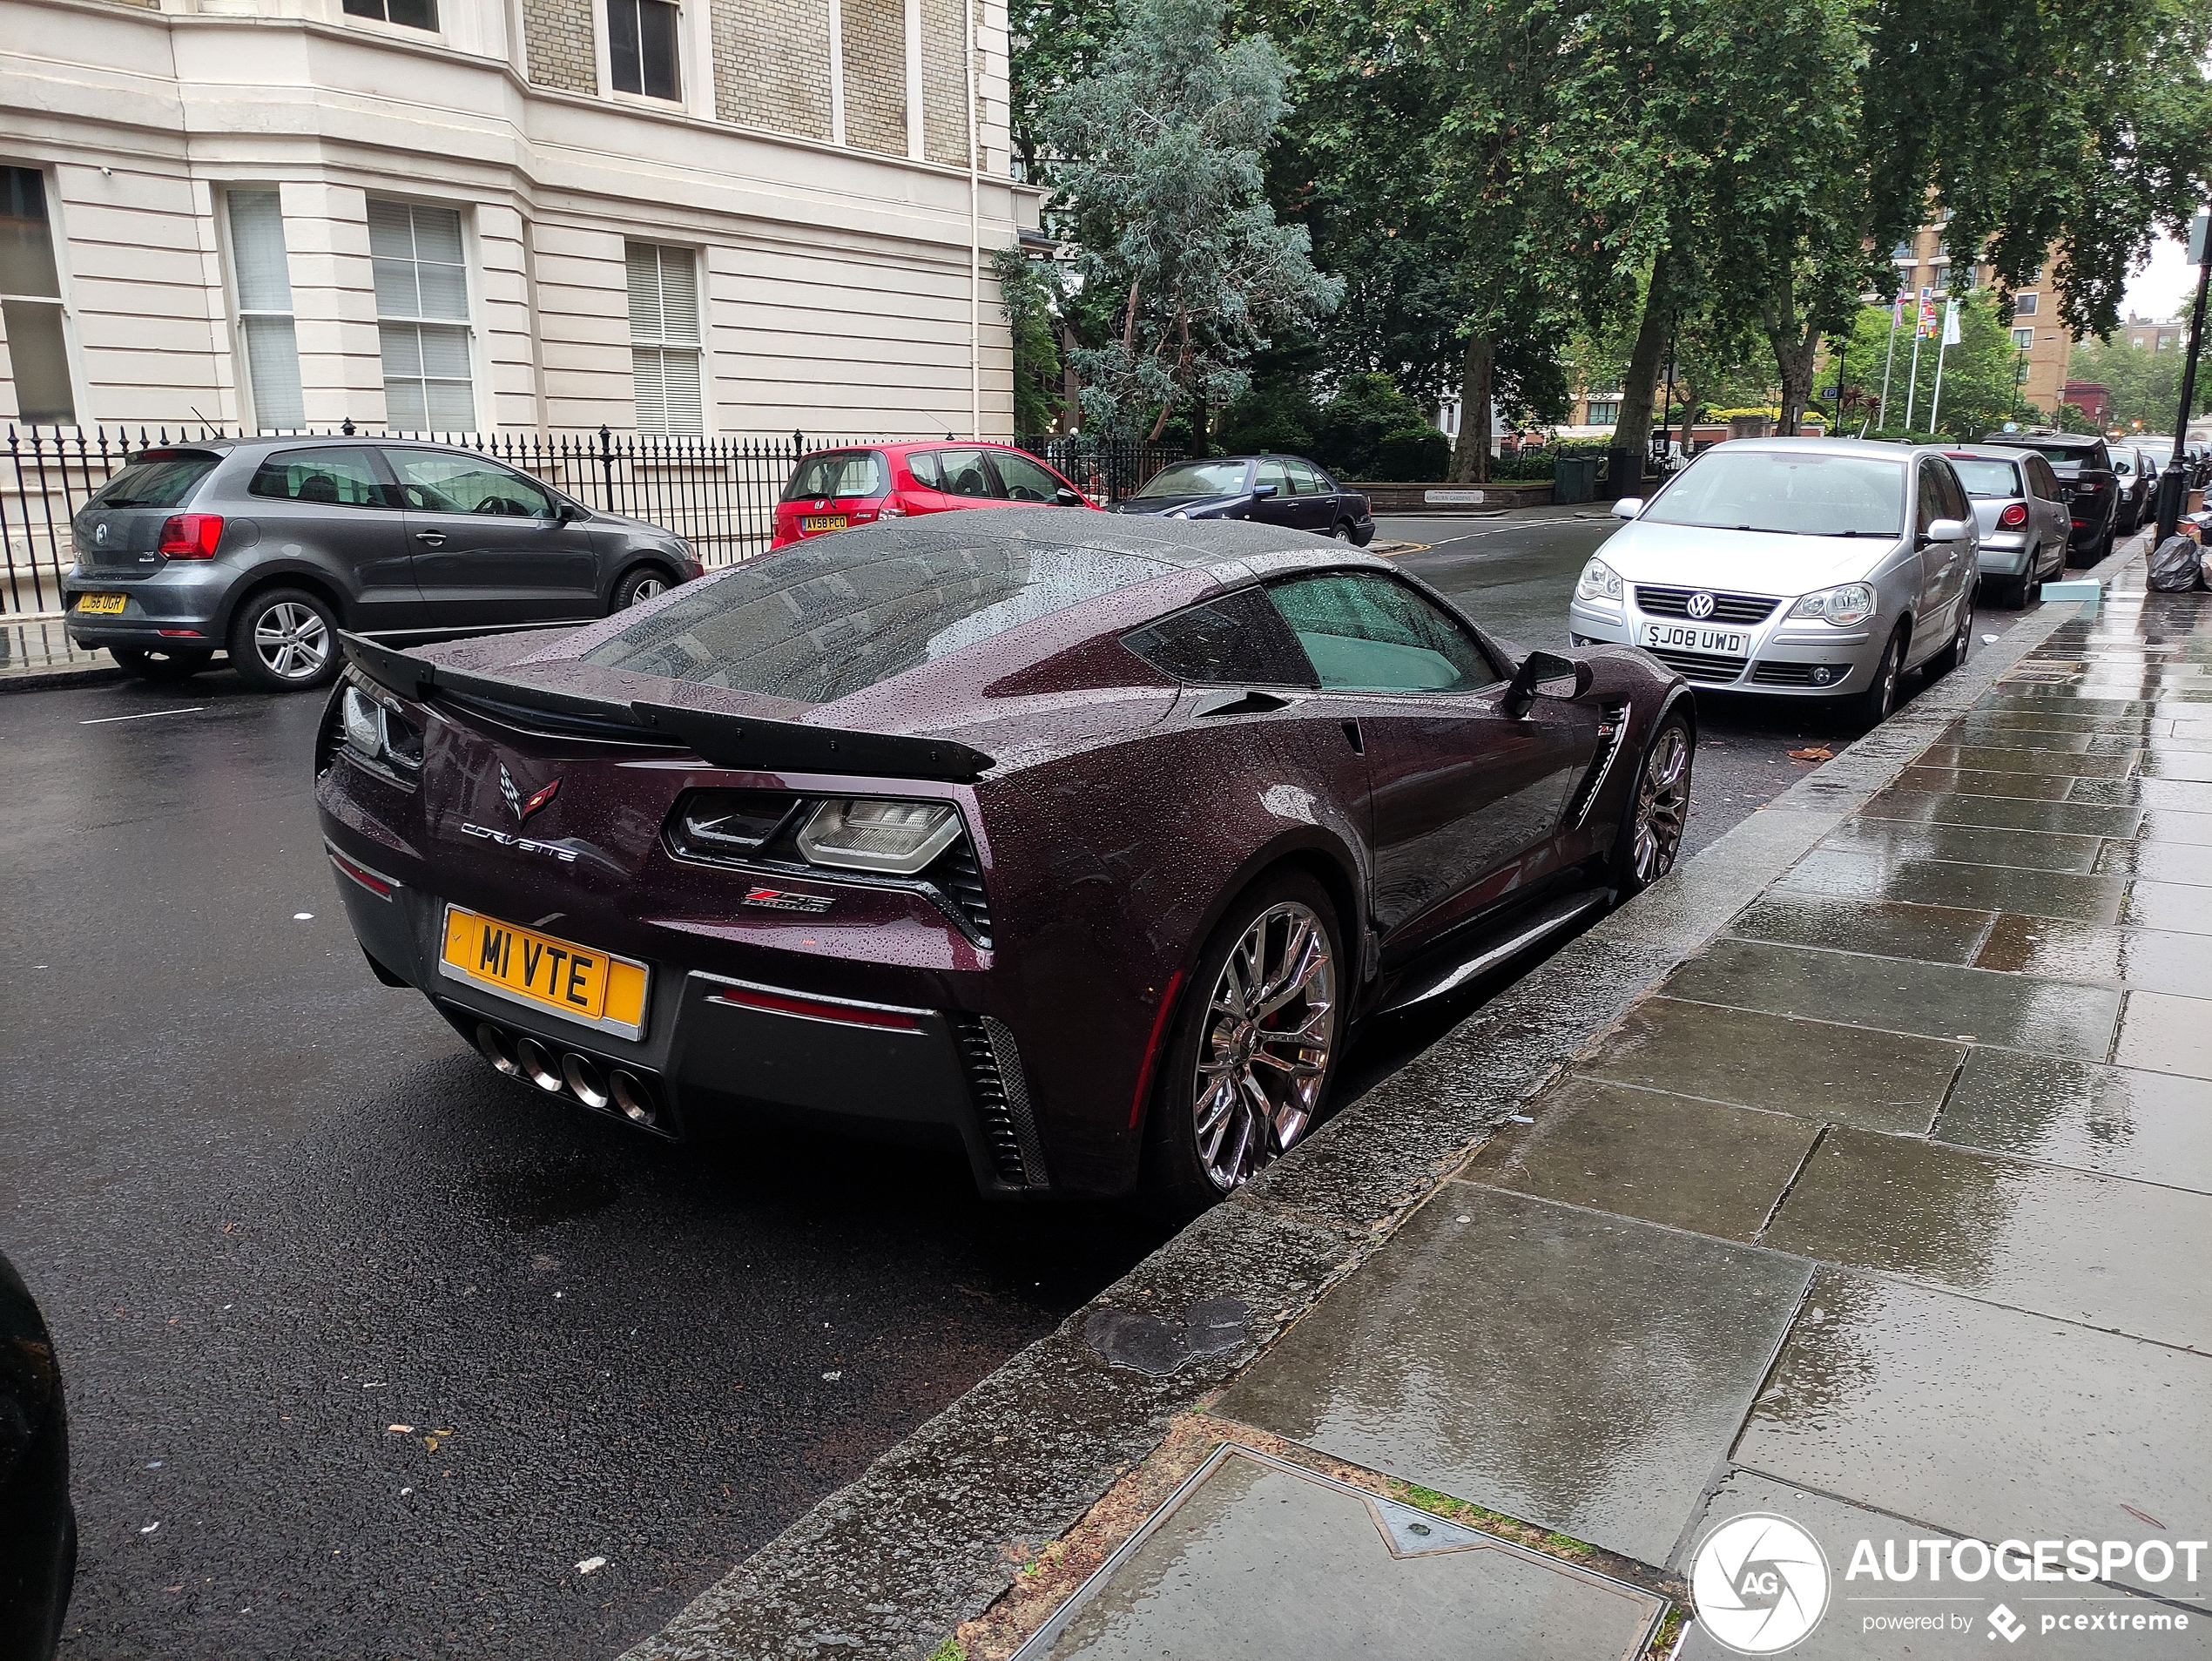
x=1078, y=842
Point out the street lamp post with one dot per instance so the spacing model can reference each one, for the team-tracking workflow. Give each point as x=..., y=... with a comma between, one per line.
x=2172, y=482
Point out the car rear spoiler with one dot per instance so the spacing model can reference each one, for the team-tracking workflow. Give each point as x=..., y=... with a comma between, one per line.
x=747, y=742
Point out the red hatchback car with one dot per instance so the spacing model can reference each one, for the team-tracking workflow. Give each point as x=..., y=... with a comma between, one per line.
x=834, y=490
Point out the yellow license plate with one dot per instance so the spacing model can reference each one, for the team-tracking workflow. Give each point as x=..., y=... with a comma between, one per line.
x=581, y=982
x=108, y=603
x=823, y=522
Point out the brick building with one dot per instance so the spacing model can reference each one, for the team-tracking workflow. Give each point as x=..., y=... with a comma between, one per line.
x=733, y=216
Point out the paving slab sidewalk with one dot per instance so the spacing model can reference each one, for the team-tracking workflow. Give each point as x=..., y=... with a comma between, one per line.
x=1862, y=1174
x=35, y=652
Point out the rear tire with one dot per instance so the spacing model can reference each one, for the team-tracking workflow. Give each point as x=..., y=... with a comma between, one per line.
x=1657, y=811
x=1962, y=639
x=1343, y=532
x=163, y=666
x=1233, y=1092
x=284, y=640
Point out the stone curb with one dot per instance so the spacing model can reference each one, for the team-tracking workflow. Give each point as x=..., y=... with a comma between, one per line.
x=934, y=1530
x=39, y=680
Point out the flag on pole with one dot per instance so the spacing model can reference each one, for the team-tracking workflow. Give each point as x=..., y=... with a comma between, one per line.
x=1951, y=322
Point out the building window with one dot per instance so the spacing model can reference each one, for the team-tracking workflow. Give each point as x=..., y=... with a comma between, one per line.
x=30, y=301
x=2023, y=337
x=422, y=317
x=2024, y=305
x=263, y=285
x=1903, y=251
x=415, y=14
x=664, y=337
x=1603, y=414
x=641, y=42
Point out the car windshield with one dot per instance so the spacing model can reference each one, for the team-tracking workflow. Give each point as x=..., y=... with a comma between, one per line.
x=1196, y=478
x=158, y=478
x=1795, y=492
x=1986, y=478
x=838, y=473
x=823, y=619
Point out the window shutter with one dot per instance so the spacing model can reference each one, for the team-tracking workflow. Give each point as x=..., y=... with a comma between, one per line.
x=652, y=405
x=643, y=260
x=680, y=391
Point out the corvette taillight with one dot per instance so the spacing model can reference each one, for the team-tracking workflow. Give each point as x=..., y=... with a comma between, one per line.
x=2014, y=516
x=191, y=536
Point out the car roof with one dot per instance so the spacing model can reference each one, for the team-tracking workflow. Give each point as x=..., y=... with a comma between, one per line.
x=1983, y=452
x=2058, y=441
x=1233, y=550
x=1879, y=449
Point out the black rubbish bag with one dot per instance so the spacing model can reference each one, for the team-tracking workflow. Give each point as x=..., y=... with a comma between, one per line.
x=2177, y=566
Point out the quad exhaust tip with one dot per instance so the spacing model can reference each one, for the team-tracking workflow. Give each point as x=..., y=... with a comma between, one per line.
x=599, y=1087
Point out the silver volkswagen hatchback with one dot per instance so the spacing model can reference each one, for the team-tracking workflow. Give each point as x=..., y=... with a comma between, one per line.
x=1795, y=568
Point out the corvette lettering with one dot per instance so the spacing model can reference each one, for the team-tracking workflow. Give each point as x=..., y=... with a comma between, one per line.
x=777, y=900
x=520, y=844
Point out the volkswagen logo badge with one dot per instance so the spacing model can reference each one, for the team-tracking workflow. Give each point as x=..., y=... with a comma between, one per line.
x=1700, y=606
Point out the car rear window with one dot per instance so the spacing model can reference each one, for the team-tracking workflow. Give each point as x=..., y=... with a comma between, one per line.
x=838, y=473
x=1985, y=477
x=1238, y=640
x=1793, y=492
x=156, y=478
x=821, y=620
x=2066, y=455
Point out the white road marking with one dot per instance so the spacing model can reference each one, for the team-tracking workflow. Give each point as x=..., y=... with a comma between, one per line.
x=144, y=715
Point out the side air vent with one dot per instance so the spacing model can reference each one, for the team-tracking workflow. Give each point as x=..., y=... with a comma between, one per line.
x=1002, y=1096
x=956, y=875
x=1609, y=733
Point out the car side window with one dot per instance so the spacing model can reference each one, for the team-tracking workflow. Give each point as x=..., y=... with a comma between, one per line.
x=1926, y=509
x=341, y=476
x=1025, y=479
x=1955, y=505
x=1366, y=632
x=439, y=481
x=1274, y=473
x=1238, y=640
x=1303, y=479
x=2041, y=482
x=964, y=474
x=923, y=465
x=2097, y=455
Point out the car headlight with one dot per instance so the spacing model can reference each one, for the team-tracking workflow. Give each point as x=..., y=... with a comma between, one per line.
x=1178, y=513
x=896, y=838
x=1844, y=607
x=379, y=735
x=1599, y=581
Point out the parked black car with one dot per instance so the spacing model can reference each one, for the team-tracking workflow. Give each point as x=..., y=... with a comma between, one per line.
x=266, y=547
x=1285, y=490
x=37, y=1526
x=2093, y=496
x=2136, y=469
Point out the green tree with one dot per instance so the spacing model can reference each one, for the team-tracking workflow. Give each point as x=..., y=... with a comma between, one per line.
x=2145, y=384
x=1978, y=373
x=1160, y=176
x=1051, y=45
x=1029, y=295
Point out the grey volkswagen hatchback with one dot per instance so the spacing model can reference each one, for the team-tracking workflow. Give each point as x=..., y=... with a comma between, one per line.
x=266, y=547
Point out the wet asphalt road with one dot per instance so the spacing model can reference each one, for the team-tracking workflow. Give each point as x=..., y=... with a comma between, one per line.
x=366, y=1349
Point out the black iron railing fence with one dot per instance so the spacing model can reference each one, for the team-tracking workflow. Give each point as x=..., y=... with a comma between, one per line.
x=720, y=493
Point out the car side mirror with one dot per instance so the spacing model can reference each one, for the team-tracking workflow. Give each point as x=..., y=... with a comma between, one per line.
x=569, y=513
x=1946, y=531
x=1068, y=498
x=1628, y=507
x=1539, y=670
x=1261, y=492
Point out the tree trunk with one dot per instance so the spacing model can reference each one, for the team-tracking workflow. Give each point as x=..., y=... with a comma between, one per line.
x=1198, y=446
x=1793, y=352
x=1471, y=452
x=1632, y=431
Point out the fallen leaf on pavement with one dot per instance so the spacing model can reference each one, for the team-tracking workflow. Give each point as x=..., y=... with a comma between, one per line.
x=1815, y=752
x=590, y=1565
x=401, y=1430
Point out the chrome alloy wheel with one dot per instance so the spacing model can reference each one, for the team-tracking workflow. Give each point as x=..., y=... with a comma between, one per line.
x=1662, y=805
x=1269, y=1026
x=292, y=640
x=646, y=588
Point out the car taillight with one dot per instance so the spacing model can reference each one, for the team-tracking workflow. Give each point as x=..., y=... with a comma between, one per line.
x=191, y=536
x=2014, y=516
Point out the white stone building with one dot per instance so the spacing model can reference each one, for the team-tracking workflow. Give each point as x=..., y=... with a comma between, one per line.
x=717, y=216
